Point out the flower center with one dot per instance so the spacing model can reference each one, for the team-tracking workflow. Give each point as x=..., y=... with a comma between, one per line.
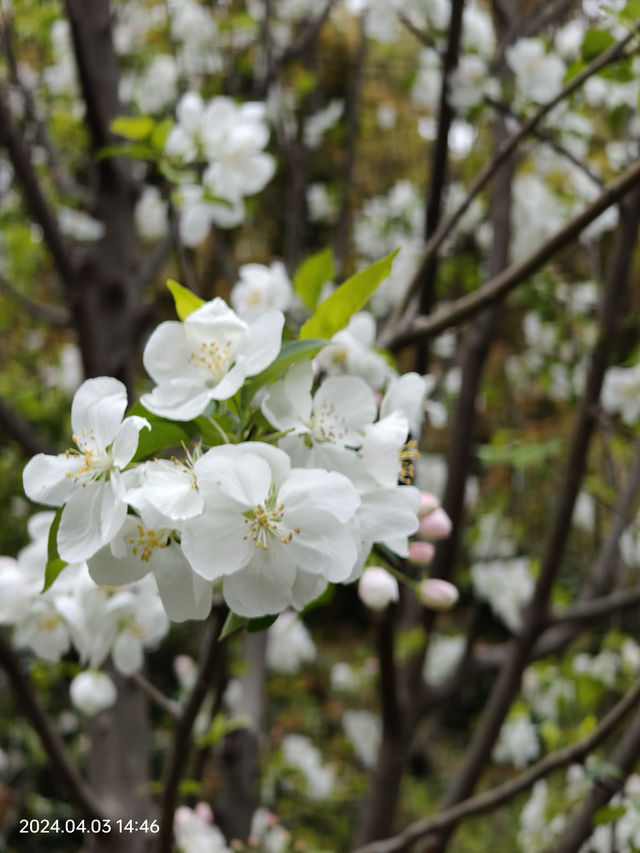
x=144, y=544
x=49, y=623
x=326, y=426
x=214, y=357
x=94, y=462
x=265, y=522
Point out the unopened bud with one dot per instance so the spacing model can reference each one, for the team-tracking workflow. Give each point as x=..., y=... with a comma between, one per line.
x=437, y=594
x=421, y=553
x=377, y=588
x=428, y=503
x=435, y=526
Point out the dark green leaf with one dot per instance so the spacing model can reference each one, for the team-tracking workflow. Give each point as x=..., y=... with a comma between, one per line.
x=311, y=275
x=335, y=312
x=55, y=564
x=261, y=623
x=186, y=301
x=607, y=814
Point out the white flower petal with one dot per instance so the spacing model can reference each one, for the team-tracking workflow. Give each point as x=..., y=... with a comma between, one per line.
x=328, y=491
x=287, y=403
x=126, y=440
x=214, y=544
x=264, y=339
x=98, y=408
x=184, y=594
x=45, y=478
x=228, y=472
x=262, y=587
x=323, y=545
x=127, y=653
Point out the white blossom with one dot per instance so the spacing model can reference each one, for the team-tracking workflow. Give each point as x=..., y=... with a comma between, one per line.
x=517, y=743
x=93, y=692
x=364, y=731
x=289, y=644
x=319, y=778
x=206, y=358
x=506, y=585
x=260, y=289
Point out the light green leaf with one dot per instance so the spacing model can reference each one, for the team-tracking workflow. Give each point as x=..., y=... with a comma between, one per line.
x=55, y=564
x=594, y=43
x=335, y=312
x=186, y=301
x=311, y=275
x=160, y=133
x=291, y=353
x=134, y=128
x=232, y=623
x=631, y=11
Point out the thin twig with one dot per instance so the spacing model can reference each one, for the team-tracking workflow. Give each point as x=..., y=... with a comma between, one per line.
x=49, y=313
x=612, y=54
x=151, y=691
x=489, y=800
x=22, y=431
x=77, y=788
x=496, y=288
x=213, y=651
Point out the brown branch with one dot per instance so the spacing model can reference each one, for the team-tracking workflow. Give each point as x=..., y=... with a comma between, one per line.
x=500, y=285
x=426, y=276
x=49, y=313
x=21, y=431
x=213, y=652
x=77, y=788
x=490, y=800
x=548, y=139
x=623, y=760
x=151, y=691
x=508, y=683
x=598, y=606
x=612, y=54
x=35, y=199
x=352, y=123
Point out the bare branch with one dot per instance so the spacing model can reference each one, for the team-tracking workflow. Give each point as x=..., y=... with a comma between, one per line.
x=22, y=431
x=622, y=760
x=489, y=800
x=151, y=691
x=499, y=286
x=49, y=313
x=35, y=198
x=612, y=54
x=77, y=788
x=213, y=651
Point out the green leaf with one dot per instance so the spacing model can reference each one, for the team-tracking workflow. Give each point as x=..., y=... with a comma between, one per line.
x=291, y=353
x=232, y=623
x=311, y=275
x=335, y=312
x=134, y=128
x=631, y=10
x=186, y=301
x=160, y=132
x=162, y=435
x=133, y=150
x=594, y=43
x=607, y=814
x=55, y=564
x=261, y=623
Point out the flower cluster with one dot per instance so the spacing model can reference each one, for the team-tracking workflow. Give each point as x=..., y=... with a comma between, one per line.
x=266, y=504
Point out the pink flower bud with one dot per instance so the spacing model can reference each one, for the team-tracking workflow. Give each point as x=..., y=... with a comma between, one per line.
x=437, y=594
x=377, y=588
x=421, y=553
x=428, y=503
x=435, y=526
